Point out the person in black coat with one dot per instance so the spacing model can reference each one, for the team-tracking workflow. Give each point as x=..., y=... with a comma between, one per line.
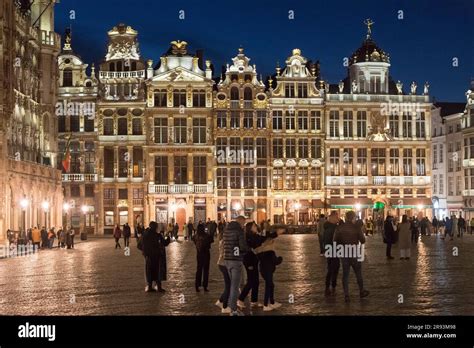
x=254, y=240
x=154, y=251
x=389, y=236
x=203, y=241
x=127, y=233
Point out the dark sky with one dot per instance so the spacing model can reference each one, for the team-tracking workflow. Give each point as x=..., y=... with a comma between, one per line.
x=422, y=45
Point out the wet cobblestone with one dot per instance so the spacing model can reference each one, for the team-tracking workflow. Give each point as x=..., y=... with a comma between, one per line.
x=96, y=279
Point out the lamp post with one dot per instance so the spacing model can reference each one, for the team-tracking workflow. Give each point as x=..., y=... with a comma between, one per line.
x=45, y=206
x=66, y=207
x=24, y=204
x=297, y=207
x=84, y=210
x=173, y=210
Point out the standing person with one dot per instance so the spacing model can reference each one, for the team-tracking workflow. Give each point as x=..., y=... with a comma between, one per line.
x=117, y=236
x=164, y=241
x=333, y=263
x=448, y=226
x=369, y=226
x=51, y=238
x=155, y=262
x=404, y=237
x=461, y=226
x=72, y=233
x=349, y=234
x=235, y=248
x=454, y=228
x=223, y=301
x=414, y=230
x=44, y=237
x=321, y=222
x=471, y=225
x=62, y=237
x=190, y=229
x=36, y=238
x=175, y=231
x=389, y=236
x=220, y=226
x=435, y=225
x=127, y=233
x=185, y=231
x=254, y=240
x=202, y=241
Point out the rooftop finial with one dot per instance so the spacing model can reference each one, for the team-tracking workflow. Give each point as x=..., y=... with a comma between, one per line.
x=241, y=50
x=67, y=39
x=369, y=23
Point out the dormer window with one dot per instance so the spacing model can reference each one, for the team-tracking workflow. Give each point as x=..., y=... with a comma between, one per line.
x=302, y=90
x=289, y=91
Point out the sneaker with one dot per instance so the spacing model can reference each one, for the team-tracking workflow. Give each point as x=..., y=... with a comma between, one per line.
x=240, y=304
x=268, y=308
x=226, y=310
x=256, y=304
x=236, y=313
x=364, y=293
x=220, y=304
x=275, y=305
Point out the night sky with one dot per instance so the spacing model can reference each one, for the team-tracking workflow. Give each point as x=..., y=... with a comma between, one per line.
x=421, y=46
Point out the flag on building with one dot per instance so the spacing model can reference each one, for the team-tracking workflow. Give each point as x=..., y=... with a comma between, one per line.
x=67, y=156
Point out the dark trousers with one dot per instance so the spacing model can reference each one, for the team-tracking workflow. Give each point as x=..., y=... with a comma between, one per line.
x=388, y=252
x=269, y=287
x=117, y=243
x=224, y=299
x=126, y=240
x=72, y=241
x=321, y=245
x=253, y=282
x=333, y=265
x=347, y=263
x=414, y=236
x=202, y=272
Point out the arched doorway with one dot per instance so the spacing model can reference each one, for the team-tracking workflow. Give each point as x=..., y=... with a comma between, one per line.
x=181, y=217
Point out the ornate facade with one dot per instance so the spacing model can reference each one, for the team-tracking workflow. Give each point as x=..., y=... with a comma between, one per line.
x=172, y=144
x=30, y=186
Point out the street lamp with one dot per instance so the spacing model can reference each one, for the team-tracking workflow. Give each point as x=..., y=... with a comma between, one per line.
x=358, y=206
x=173, y=210
x=84, y=210
x=45, y=206
x=66, y=207
x=297, y=207
x=24, y=204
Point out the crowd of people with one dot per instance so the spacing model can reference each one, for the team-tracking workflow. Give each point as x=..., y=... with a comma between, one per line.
x=42, y=238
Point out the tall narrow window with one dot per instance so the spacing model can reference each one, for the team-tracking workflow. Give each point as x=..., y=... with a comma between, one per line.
x=421, y=162
x=122, y=124
x=161, y=130
x=199, y=98
x=248, y=119
x=316, y=148
x=261, y=151
x=137, y=162
x=303, y=148
x=394, y=168
x=361, y=162
x=406, y=125
x=277, y=120
x=348, y=162
x=180, y=136
x=234, y=119
x=277, y=148
x=180, y=170
x=420, y=125
x=199, y=130
x=109, y=159
x=221, y=178
x=361, y=124
x=334, y=162
x=199, y=170
x=393, y=125
x=179, y=98
x=290, y=120
x=334, y=124
x=347, y=124
x=315, y=121
x=160, y=98
x=249, y=178
x=303, y=120
x=67, y=77
x=235, y=178
x=261, y=119
x=378, y=161
x=161, y=170
x=222, y=119
x=290, y=146
x=123, y=162
x=407, y=162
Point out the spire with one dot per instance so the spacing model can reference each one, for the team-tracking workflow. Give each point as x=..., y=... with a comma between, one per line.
x=369, y=23
x=67, y=40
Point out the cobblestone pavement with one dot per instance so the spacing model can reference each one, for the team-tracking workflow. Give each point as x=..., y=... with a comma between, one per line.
x=96, y=279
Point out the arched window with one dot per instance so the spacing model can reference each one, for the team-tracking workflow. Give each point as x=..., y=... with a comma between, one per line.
x=67, y=77
x=248, y=93
x=122, y=126
x=234, y=93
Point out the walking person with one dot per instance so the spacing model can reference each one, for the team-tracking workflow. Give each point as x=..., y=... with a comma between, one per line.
x=36, y=238
x=175, y=231
x=414, y=225
x=154, y=251
x=190, y=228
x=117, y=236
x=51, y=238
x=349, y=234
x=235, y=248
x=333, y=262
x=223, y=300
x=320, y=228
x=127, y=233
x=72, y=234
x=404, y=238
x=44, y=237
x=435, y=224
x=389, y=237
x=202, y=241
